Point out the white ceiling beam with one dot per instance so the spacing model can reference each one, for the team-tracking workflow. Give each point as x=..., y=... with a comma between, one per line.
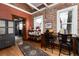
x=45, y=4
x=17, y=8
x=31, y=5
x=45, y=7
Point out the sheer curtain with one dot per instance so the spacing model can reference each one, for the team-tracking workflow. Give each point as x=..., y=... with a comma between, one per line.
x=63, y=19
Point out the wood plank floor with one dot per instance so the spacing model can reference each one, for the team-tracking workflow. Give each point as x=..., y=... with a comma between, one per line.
x=15, y=51
x=48, y=50
x=11, y=51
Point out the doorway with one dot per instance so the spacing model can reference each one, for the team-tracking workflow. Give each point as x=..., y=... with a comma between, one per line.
x=19, y=28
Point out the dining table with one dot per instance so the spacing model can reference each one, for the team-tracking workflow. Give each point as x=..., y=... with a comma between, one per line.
x=75, y=42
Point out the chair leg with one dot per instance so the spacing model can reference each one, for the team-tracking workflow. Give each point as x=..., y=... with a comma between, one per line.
x=52, y=46
x=59, y=50
x=41, y=45
x=52, y=50
x=69, y=51
x=45, y=48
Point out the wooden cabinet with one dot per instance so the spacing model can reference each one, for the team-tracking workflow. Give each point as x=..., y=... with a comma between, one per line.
x=7, y=35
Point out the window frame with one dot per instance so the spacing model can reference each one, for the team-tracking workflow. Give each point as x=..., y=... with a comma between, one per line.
x=74, y=18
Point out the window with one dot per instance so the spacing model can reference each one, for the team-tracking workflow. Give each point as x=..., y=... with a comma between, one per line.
x=67, y=20
x=38, y=22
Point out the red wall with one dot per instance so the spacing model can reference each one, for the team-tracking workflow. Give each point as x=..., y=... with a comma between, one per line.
x=6, y=12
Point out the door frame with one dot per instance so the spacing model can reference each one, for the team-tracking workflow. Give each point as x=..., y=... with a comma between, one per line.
x=24, y=25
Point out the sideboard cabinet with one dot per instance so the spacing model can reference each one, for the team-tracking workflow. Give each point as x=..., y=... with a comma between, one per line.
x=7, y=35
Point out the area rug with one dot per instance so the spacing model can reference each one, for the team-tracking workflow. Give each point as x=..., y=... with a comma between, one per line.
x=28, y=50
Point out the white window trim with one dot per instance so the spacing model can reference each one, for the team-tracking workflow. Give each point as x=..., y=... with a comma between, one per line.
x=42, y=19
x=74, y=19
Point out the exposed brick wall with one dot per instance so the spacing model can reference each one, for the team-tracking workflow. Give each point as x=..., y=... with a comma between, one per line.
x=51, y=14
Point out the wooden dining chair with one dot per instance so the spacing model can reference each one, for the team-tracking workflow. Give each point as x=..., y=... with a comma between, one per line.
x=65, y=42
x=43, y=44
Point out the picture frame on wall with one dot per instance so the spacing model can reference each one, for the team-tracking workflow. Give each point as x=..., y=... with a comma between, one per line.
x=48, y=25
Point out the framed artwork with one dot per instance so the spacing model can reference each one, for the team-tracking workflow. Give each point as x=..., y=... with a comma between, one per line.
x=48, y=25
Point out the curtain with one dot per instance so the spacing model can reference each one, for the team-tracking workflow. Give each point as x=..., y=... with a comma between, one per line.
x=63, y=19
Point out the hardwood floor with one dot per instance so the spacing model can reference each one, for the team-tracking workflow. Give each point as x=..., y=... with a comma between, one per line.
x=11, y=51
x=48, y=50
x=15, y=51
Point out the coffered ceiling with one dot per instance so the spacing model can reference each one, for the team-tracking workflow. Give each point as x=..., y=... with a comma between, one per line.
x=31, y=8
